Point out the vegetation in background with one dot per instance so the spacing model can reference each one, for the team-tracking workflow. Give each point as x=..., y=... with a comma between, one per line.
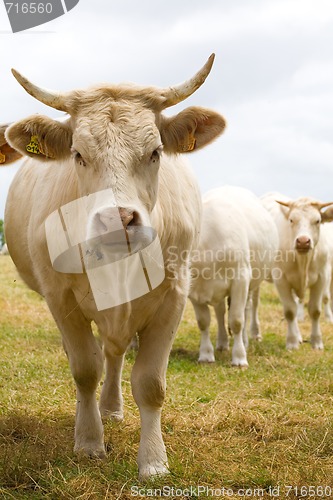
x=270, y=426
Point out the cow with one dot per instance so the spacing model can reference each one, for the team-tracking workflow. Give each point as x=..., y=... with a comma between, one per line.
x=327, y=230
x=116, y=164
x=302, y=261
x=7, y=153
x=238, y=241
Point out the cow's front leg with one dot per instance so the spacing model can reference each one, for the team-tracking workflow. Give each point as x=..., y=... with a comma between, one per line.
x=86, y=363
x=149, y=382
x=314, y=307
x=289, y=302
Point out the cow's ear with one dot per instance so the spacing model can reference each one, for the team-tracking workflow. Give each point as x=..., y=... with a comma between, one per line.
x=190, y=130
x=7, y=153
x=327, y=216
x=41, y=138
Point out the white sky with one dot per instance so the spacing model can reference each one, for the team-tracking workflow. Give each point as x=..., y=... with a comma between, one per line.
x=272, y=78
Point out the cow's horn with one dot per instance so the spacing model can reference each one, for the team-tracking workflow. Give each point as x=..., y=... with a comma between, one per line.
x=174, y=95
x=284, y=203
x=49, y=97
x=320, y=205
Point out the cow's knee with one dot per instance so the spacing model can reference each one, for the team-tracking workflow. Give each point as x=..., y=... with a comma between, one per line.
x=314, y=313
x=289, y=314
x=148, y=390
x=236, y=325
x=88, y=374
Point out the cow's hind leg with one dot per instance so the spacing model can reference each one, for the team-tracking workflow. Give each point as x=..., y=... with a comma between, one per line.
x=239, y=293
x=202, y=314
x=222, y=339
x=86, y=363
x=111, y=401
x=149, y=382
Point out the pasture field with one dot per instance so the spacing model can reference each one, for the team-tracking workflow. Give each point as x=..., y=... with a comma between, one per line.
x=256, y=432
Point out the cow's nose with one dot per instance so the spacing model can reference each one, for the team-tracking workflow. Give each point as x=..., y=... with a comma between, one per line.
x=303, y=243
x=126, y=216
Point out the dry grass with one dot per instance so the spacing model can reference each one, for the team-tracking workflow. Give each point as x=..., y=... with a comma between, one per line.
x=268, y=426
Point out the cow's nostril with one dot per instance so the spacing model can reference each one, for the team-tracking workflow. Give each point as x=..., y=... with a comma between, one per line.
x=127, y=216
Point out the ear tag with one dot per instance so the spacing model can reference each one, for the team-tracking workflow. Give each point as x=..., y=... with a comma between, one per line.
x=190, y=145
x=33, y=146
x=2, y=157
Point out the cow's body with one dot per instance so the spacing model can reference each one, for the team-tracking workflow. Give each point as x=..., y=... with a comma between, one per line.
x=238, y=241
x=115, y=136
x=303, y=260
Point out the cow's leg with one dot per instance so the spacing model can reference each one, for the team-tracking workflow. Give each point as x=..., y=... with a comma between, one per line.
x=255, y=325
x=202, y=314
x=149, y=382
x=111, y=401
x=222, y=339
x=239, y=293
x=289, y=303
x=86, y=363
x=314, y=307
x=300, y=310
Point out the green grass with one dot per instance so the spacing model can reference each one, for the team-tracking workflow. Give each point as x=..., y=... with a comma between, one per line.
x=268, y=426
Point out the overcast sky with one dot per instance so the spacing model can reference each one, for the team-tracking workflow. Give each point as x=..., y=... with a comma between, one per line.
x=272, y=78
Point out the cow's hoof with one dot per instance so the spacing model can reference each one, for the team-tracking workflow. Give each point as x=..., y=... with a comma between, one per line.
x=151, y=471
x=90, y=452
x=114, y=416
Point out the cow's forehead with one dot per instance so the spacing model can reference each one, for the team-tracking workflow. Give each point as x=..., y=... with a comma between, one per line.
x=98, y=96
x=304, y=211
x=120, y=124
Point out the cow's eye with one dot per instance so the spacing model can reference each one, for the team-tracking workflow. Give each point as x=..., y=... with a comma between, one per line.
x=291, y=221
x=156, y=154
x=78, y=158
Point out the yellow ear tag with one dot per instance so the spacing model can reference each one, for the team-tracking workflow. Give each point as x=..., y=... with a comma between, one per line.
x=33, y=146
x=190, y=145
x=2, y=157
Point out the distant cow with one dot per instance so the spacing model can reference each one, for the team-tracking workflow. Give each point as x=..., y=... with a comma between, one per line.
x=238, y=241
x=7, y=153
x=114, y=163
x=303, y=260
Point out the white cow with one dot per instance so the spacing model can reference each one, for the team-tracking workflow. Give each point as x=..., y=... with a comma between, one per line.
x=238, y=241
x=110, y=175
x=303, y=260
x=327, y=230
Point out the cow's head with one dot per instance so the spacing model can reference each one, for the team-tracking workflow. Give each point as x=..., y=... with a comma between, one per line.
x=7, y=153
x=305, y=216
x=116, y=136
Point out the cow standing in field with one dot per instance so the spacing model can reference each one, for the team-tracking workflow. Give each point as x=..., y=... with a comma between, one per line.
x=303, y=260
x=238, y=241
x=116, y=158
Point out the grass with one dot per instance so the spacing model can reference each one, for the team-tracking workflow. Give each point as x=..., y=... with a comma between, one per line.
x=270, y=426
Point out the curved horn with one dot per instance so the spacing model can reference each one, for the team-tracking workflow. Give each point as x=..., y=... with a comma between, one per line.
x=284, y=203
x=178, y=93
x=48, y=97
x=320, y=206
